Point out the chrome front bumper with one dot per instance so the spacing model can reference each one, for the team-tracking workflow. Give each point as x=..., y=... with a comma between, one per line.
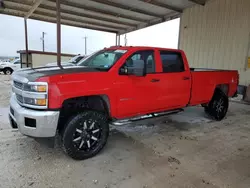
x=45, y=121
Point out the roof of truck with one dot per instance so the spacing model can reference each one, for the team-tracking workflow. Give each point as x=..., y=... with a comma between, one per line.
x=142, y=47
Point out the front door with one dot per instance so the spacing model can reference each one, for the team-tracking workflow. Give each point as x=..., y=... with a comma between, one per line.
x=136, y=95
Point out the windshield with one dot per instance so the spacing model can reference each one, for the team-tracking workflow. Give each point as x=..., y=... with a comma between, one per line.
x=76, y=59
x=15, y=61
x=103, y=59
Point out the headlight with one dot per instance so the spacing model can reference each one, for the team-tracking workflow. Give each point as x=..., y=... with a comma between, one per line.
x=36, y=87
x=35, y=95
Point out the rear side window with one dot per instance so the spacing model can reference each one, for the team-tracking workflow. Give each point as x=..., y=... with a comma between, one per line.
x=171, y=61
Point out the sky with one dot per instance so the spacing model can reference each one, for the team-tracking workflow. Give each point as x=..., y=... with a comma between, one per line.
x=12, y=37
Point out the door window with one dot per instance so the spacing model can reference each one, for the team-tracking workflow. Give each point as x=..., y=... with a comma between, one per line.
x=147, y=56
x=171, y=61
x=150, y=64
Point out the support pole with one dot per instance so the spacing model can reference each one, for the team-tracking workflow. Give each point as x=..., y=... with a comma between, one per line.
x=58, y=15
x=43, y=40
x=180, y=32
x=26, y=43
x=85, y=41
x=125, y=40
x=116, y=42
x=119, y=41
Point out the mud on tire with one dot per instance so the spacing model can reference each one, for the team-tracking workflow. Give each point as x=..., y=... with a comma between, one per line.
x=85, y=135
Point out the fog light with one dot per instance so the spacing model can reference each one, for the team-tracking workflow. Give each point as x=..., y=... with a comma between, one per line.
x=29, y=122
x=37, y=102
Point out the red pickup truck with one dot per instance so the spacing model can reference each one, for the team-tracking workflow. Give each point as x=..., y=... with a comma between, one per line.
x=115, y=83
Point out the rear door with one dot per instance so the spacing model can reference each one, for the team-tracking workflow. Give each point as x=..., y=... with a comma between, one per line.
x=175, y=80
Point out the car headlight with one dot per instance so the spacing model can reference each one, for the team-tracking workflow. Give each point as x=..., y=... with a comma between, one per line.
x=36, y=87
x=35, y=94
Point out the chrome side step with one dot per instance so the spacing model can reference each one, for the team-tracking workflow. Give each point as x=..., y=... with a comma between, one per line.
x=148, y=116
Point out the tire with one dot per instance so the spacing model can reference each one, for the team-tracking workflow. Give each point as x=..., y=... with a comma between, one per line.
x=218, y=106
x=206, y=109
x=7, y=71
x=85, y=135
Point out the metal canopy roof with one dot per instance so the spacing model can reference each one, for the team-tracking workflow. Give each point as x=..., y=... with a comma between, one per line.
x=116, y=16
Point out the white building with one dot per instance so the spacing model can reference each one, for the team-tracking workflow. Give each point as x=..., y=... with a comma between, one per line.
x=39, y=58
x=217, y=35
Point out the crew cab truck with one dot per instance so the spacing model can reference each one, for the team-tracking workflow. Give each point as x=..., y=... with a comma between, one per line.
x=9, y=67
x=113, y=84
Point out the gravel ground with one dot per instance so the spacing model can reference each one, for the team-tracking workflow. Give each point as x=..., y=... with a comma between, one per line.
x=185, y=150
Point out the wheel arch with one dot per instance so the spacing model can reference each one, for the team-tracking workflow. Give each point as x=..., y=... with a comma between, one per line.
x=222, y=87
x=5, y=68
x=218, y=88
x=220, y=98
x=72, y=106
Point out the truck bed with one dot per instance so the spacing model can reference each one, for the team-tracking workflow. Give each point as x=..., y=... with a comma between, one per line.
x=204, y=82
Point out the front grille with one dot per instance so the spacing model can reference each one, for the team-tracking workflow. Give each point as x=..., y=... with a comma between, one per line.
x=19, y=98
x=18, y=85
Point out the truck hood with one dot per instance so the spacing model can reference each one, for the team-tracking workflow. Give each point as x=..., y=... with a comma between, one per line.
x=32, y=74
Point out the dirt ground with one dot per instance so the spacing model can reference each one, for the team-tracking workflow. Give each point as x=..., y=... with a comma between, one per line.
x=186, y=150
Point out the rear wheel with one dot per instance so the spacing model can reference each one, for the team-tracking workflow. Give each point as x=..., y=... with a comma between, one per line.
x=8, y=71
x=218, y=106
x=85, y=135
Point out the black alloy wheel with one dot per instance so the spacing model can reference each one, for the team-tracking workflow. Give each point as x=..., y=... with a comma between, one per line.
x=218, y=106
x=85, y=135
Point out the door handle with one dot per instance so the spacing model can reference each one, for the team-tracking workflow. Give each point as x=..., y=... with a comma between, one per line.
x=186, y=78
x=155, y=80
